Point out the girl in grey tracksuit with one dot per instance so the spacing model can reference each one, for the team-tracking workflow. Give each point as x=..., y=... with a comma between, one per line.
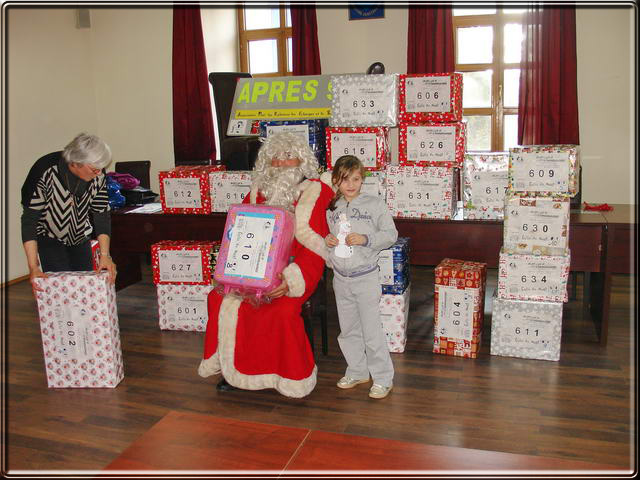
x=360, y=225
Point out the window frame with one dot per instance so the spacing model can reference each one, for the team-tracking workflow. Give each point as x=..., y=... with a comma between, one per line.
x=497, y=111
x=280, y=34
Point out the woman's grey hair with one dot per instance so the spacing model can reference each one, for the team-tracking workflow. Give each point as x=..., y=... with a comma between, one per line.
x=88, y=149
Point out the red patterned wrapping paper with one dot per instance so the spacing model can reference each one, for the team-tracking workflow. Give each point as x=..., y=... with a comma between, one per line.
x=464, y=276
x=194, y=269
x=95, y=254
x=394, y=315
x=382, y=153
x=416, y=114
x=451, y=157
x=191, y=200
x=80, y=333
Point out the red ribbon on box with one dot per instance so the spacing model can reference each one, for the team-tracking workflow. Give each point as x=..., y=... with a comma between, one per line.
x=603, y=207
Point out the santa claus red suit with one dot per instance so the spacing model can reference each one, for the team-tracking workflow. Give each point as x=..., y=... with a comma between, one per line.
x=266, y=346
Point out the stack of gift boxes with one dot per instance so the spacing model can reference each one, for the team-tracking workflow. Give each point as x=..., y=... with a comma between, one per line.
x=535, y=257
x=202, y=189
x=432, y=141
x=79, y=326
x=394, y=303
x=183, y=275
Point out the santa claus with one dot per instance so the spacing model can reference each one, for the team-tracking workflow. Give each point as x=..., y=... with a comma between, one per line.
x=266, y=346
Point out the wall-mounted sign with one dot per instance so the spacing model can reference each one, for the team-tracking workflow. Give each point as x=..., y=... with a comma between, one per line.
x=364, y=11
x=280, y=98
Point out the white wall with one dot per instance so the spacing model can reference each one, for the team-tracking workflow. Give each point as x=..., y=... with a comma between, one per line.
x=114, y=79
x=50, y=99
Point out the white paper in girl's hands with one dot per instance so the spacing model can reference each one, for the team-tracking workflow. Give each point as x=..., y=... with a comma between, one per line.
x=343, y=250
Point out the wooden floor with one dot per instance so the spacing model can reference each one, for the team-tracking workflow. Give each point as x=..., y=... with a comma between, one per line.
x=580, y=408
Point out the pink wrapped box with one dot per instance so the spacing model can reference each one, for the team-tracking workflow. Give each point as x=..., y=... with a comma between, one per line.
x=187, y=189
x=186, y=262
x=255, y=248
x=80, y=333
x=430, y=97
x=459, y=307
x=545, y=169
x=369, y=144
x=394, y=314
x=523, y=276
x=183, y=307
x=538, y=225
x=228, y=188
x=421, y=192
x=432, y=144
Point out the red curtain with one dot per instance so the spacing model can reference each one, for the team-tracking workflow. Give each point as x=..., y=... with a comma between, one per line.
x=193, y=136
x=305, y=51
x=430, y=40
x=548, y=110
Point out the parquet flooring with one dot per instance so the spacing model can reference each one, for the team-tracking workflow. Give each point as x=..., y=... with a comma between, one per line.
x=581, y=408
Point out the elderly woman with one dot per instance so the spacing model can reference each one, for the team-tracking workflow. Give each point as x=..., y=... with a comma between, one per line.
x=62, y=193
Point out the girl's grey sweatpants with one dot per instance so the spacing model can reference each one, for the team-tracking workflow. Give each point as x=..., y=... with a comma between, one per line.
x=362, y=340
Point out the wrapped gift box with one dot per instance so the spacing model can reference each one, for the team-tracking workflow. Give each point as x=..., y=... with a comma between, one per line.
x=526, y=329
x=255, y=248
x=421, y=192
x=393, y=263
x=434, y=144
x=228, y=188
x=80, y=332
x=187, y=189
x=430, y=97
x=360, y=100
x=374, y=184
x=369, y=144
x=459, y=307
x=95, y=253
x=183, y=307
x=188, y=262
x=538, y=225
x=313, y=131
x=394, y=314
x=484, y=184
x=523, y=276
x=545, y=169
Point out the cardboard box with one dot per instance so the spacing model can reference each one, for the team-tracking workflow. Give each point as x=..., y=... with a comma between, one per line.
x=183, y=307
x=421, y=192
x=526, y=329
x=432, y=144
x=80, y=333
x=188, y=262
x=430, y=97
x=369, y=144
x=545, y=169
x=459, y=307
x=360, y=100
x=393, y=263
x=484, y=185
x=394, y=314
x=537, y=225
x=228, y=188
x=523, y=276
x=187, y=189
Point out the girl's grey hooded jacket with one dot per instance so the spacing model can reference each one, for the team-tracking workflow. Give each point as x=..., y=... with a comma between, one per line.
x=369, y=216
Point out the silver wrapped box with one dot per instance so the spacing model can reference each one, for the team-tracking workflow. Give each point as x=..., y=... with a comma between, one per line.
x=484, y=183
x=361, y=100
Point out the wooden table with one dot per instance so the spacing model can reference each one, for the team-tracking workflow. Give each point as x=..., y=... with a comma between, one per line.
x=601, y=244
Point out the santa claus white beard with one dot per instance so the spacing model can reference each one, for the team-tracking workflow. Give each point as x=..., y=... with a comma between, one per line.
x=279, y=185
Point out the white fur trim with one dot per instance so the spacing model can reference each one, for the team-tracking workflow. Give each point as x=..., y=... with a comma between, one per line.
x=253, y=194
x=293, y=275
x=227, y=324
x=326, y=179
x=304, y=233
x=209, y=366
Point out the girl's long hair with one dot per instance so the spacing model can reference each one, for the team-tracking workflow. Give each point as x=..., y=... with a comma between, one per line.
x=344, y=166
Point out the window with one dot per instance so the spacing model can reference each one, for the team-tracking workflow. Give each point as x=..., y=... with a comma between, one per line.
x=265, y=40
x=488, y=48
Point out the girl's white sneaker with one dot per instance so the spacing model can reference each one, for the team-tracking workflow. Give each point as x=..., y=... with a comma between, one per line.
x=378, y=391
x=348, y=382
